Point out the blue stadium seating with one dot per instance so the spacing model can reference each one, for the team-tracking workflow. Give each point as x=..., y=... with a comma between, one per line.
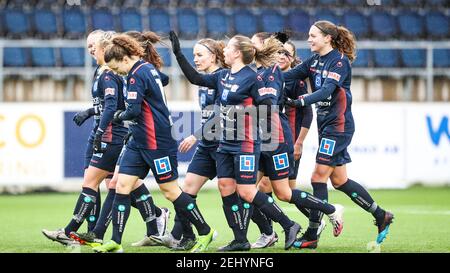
x=130, y=19
x=102, y=19
x=327, y=2
x=159, y=21
x=271, y=21
x=363, y=58
x=357, y=23
x=437, y=24
x=43, y=57
x=188, y=23
x=165, y=54
x=383, y=25
x=14, y=57
x=413, y=57
x=217, y=23
x=436, y=3
x=16, y=22
x=187, y=3
x=410, y=24
x=245, y=22
x=409, y=3
x=132, y=4
x=386, y=58
x=304, y=53
x=299, y=22
x=328, y=15
x=358, y=3
x=72, y=56
x=45, y=22
x=189, y=54
x=245, y=2
x=441, y=57
x=74, y=23
x=299, y=2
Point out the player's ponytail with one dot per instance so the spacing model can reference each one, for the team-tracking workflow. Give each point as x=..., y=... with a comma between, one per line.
x=267, y=55
x=146, y=40
x=342, y=39
x=246, y=47
x=215, y=47
x=122, y=46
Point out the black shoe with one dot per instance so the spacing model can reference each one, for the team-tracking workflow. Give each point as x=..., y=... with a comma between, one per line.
x=235, y=246
x=305, y=242
x=383, y=226
x=185, y=244
x=291, y=235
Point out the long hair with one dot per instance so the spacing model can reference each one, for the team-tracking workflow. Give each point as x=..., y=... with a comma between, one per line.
x=296, y=59
x=215, y=47
x=146, y=40
x=246, y=47
x=268, y=54
x=121, y=46
x=342, y=39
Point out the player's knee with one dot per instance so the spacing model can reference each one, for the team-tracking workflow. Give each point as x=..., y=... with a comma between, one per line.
x=226, y=188
x=264, y=186
x=246, y=195
x=319, y=176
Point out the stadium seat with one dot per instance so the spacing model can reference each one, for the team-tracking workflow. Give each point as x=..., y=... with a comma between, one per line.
x=437, y=25
x=413, y=57
x=187, y=3
x=357, y=3
x=436, y=3
x=328, y=15
x=165, y=54
x=189, y=54
x=72, y=56
x=383, y=25
x=159, y=21
x=130, y=19
x=327, y=2
x=385, y=58
x=410, y=24
x=410, y=3
x=272, y=3
x=299, y=22
x=301, y=3
x=217, y=23
x=14, y=57
x=45, y=23
x=74, y=23
x=357, y=23
x=271, y=20
x=363, y=58
x=188, y=23
x=16, y=23
x=132, y=4
x=102, y=19
x=43, y=57
x=245, y=3
x=245, y=22
x=441, y=57
x=304, y=53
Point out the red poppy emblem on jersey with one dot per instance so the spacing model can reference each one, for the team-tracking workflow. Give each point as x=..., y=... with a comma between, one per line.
x=132, y=81
x=259, y=78
x=302, y=84
x=106, y=78
x=271, y=78
x=339, y=64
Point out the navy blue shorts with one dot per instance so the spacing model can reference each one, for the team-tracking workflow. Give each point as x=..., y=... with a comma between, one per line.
x=333, y=149
x=105, y=161
x=241, y=167
x=203, y=162
x=294, y=174
x=277, y=164
x=138, y=162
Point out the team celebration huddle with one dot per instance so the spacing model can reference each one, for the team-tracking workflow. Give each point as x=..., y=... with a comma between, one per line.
x=256, y=113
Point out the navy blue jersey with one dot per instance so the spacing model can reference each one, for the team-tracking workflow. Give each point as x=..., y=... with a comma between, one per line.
x=108, y=97
x=152, y=123
x=330, y=78
x=297, y=117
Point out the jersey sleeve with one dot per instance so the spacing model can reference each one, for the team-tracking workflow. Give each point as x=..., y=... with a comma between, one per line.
x=111, y=89
x=299, y=72
x=135, y=95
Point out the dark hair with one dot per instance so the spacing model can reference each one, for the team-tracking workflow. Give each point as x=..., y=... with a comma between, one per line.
x=297, y=59
x=342, y=39
x=122, y=46
x=146, y=40
x=216, y=48
x=263, y=35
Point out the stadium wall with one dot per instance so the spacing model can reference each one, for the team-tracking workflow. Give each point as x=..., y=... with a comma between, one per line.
x=395, y=144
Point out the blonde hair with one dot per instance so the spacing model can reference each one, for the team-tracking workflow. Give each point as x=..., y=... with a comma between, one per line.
x=268, y=54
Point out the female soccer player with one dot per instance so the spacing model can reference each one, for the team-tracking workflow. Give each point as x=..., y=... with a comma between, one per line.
x=208, y=58
x=277, y=162
x=239, y=147
x=329, y=72
x=151, y=145
x=104, y=145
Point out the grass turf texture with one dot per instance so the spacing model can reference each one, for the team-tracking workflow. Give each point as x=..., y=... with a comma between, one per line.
x=422, y=222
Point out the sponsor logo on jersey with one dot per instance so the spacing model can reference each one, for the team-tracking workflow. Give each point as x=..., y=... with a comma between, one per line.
x=234, y=88
x=225, y=94
x=271, y=78
x=324, y=73
x=335, y=76
x=259, y=78
x=327, y=146
x=318, y=81
x=131, y=95
x=280, y=161
x=110, y=91
x=247, y=163
x=314, y=63
x=267, y=91
x=339, y=64
x=132, y=81
x=162, y=165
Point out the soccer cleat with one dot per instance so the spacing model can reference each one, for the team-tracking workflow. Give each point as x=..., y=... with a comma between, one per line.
x=291, y=235
x=167, y=240
x=185, y=244
x=304, y=242
x=337, y=220
x=203, y=241
x=146, y=241
x=235, y=246
x=383, y=226
x=265, y=240
x=162, y=221
x=322, y=226
x=58, y=236
x=89, y=238
x=110, y=246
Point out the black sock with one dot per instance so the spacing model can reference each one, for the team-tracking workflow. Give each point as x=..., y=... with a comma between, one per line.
x=231, y=206
x=305, y=211
x=246, y=211
x=95, y=212
x=105, y=215
x=120, y=213
x=262, y=221
x=302, y=199
x=270, y=194
x=144, y=203
x=320, y=191
x=182, y=227
x=157, y=211
x=84, y=205
x=267, y=206
x=188, y=207
x=362, y=198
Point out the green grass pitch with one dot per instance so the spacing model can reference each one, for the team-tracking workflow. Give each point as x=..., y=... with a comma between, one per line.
x=422, y=222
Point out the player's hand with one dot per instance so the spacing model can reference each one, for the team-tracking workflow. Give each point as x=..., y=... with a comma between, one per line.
x=298, y=151
x=292, y=103
x=116, y=118
x=99, y=146
x=175, y=42
x=187, y=144
x=81, y=117
x=126, y=138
